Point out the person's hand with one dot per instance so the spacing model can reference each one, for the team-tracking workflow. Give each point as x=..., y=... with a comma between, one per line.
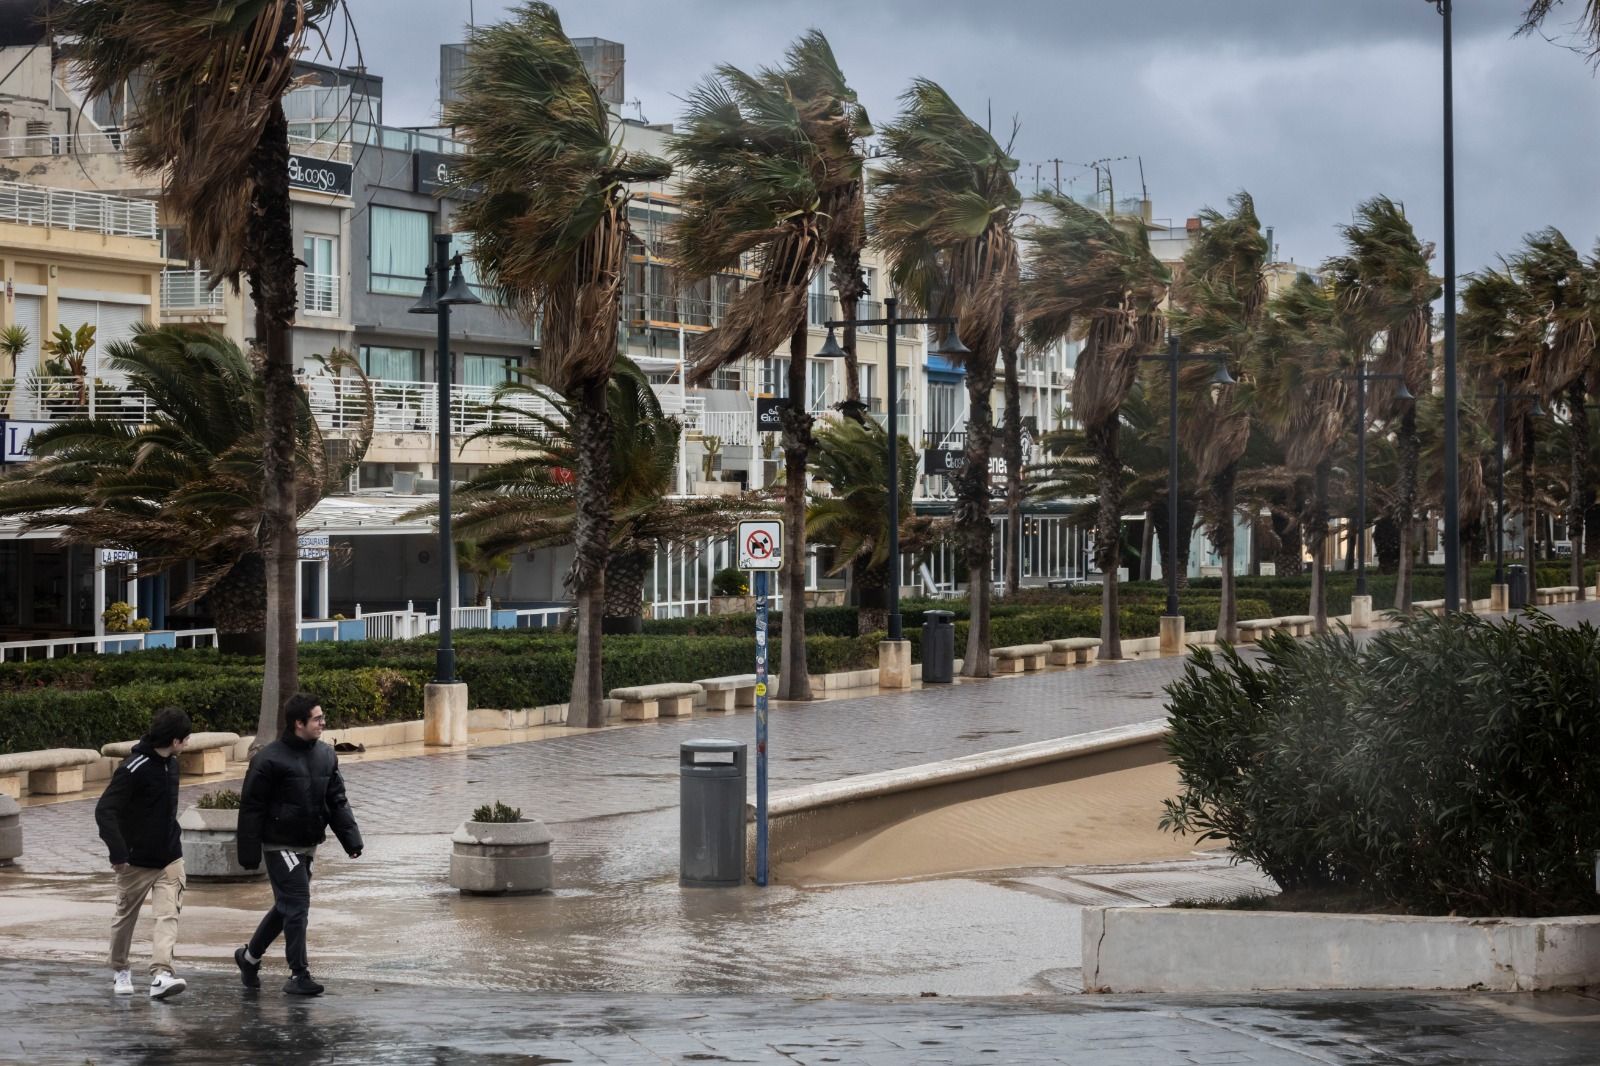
x=119, y=866
x=249, y=865
x=356, y=854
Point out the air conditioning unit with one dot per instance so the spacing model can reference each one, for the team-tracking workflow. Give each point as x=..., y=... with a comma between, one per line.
x=405, y=483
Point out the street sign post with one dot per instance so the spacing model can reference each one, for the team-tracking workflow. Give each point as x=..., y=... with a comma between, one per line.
x=761, y=551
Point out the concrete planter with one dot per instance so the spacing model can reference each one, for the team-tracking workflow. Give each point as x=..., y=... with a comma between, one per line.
x=210, y=846
x=501, y=858
x=318, y=633
x=10, y=831
x=118, y=645
x=352, y=628
x=1160, y=949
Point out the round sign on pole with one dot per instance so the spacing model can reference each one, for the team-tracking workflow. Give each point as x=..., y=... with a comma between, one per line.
x=760, y=544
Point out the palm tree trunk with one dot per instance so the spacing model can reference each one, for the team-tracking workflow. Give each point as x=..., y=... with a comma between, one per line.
x=972, y=513
x=850, y=287
x=1576, y=395
x=1406, y=506
x=1187, y=510
x=1108, y=531
x=624, y=594
x=1318, y=537
x=872, y=599
x=238, y=607
x=591, y=430
x=794, y=683
x=1013, y=449
x=1530, y=515
x=272, y=284
x=1222, y=487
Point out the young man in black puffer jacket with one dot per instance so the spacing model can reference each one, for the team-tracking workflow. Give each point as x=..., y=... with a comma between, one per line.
x=138, y=819
x=293, y=793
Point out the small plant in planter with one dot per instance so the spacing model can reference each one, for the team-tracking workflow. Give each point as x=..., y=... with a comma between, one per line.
x=210, y=831
x=497, y=852
x=729, y=581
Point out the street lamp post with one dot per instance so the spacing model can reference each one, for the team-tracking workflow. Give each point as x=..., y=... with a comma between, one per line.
x=1452, y=466
x=1402, y=394
x=1173, y=358
x=437, y=299
x=950, y=347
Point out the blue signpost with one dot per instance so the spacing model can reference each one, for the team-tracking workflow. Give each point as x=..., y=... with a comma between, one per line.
x=761, y=552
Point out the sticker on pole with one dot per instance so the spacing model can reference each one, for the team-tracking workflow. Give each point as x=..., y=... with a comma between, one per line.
x=760, y=545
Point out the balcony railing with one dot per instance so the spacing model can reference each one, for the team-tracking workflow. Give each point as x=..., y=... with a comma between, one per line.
x=57, y=399
x=189, y=290
x=111, y=142
x=93, y=212
x=644, y=307
x=319, y=293
x=825, y=307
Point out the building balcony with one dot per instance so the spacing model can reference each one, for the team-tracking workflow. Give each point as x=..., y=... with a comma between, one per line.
x=319, y=293
x=70, y=209
x=190, y=291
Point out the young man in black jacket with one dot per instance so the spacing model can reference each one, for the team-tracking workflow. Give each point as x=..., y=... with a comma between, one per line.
x=138, y=819
x=292, y=793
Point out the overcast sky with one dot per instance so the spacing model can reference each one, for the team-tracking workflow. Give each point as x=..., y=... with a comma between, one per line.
x=1311, y=105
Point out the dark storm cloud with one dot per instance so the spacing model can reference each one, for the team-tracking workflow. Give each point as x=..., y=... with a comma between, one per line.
x=1311, y=105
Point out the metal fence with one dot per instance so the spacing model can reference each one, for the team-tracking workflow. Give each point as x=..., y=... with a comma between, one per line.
x=94, y=212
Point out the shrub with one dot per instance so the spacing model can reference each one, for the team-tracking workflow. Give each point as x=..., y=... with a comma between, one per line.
x=729, y=581
x=1447, y=765
x=497, y=812
x=223, y=799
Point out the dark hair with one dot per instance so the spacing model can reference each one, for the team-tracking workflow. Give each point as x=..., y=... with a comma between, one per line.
x=298, y=708
x=167, y=725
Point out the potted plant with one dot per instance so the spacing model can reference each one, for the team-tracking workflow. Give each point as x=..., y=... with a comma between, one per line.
x=210, y=831
x=730, y=592
x=497, y=852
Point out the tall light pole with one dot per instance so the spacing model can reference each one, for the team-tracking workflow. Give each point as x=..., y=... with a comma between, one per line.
x=951, y=348
x=437, y=299
x=1452, y=433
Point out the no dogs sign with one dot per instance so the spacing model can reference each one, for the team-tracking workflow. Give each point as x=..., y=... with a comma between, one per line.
x=760, y=545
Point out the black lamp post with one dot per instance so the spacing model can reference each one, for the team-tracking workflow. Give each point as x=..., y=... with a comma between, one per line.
x=1172, y=358
x=950, y=347
x=1452, y=464
x=433, y=301
x=1402, y=393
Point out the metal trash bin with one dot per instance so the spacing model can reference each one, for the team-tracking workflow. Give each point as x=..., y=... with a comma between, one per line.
x=1517, y=579
x=711, y=775
x=938, y=647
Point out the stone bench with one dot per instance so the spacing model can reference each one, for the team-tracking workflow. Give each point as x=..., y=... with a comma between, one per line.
x=1555, y=594
x=723, y=694
x=641, y=703
x=1072, y=650
x=52, y=772
x=1020, y=658
x=1434, y=607
x=1297, y=625
x=203, y=755
x=1254, y=629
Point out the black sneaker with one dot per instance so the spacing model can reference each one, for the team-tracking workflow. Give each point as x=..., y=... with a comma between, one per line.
x=249, y=972
x=302, y=984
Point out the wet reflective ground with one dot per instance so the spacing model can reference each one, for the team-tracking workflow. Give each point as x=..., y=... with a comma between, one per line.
x=57, y=1014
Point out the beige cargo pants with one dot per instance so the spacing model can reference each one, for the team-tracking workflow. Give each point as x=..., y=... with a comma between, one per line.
x=165, y=887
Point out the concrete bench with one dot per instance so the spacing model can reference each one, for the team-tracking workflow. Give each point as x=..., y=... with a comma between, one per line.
x=723, y=694
x=1254, y=629
x=1555, y=594
x=204, y=754
x=1435, y=607
x=1020, y=658
x=1072, y=650
x=52, y=772
x=1298, y=625
x=641, y=703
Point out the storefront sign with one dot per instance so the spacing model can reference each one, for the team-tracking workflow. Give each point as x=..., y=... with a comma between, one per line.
x=769, y=413
x=314, y=546
x=16, y=436
x=433, y=172
x=945, y=461
x=320, y=175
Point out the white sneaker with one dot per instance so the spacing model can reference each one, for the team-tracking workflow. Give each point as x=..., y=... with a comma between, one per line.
x=124, y=985
x=165, y=985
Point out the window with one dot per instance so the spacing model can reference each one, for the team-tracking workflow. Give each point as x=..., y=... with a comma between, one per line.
x=817, y=386
x=398, y=250
x=488, y=370
x=866, y=374
x=944, y=405
x=775, y=377
x=391, y=364
x=902, y=390
x=319, y=282
x=461, y=244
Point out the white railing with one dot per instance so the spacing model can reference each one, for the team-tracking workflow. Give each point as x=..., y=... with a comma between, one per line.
x=189, y=290
x=319, y=293
x=63, y=144
x=542, y=617
x=323, y=149
x=394, y=625
x=94, y=212
x=736, y=428
x=195, y=638
x=56, y=399
x=413, y=406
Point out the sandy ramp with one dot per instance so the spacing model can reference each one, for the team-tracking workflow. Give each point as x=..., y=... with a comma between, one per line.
x=1108, y=818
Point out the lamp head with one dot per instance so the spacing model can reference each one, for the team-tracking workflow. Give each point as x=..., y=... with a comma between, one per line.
x=830, y=347
x=1402, y=393
x=951, y=347
x=428, y=302
x=1537, y=410
x=459, y=291
x=1222, y=377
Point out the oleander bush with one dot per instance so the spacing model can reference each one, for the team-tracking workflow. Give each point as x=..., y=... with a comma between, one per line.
x=1450, y=765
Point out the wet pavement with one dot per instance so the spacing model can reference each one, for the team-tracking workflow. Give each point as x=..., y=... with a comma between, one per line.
x=57, y=1014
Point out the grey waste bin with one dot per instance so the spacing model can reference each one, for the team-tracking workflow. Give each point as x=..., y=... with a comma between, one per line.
x=1517, y=579
x=938, y=647
x=711, y=777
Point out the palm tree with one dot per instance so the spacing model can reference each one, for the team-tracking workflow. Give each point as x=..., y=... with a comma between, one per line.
x=944, y=214
x=550, y=232
x=1218, y=304
x=1091, y=279
x=852, y=458
x=188, y=485
x=772, y=166
x=1587, y=25
x=530, y=501
x=1306, y=357
x=204, y=83
x=1383, y=279
x=1011, y=446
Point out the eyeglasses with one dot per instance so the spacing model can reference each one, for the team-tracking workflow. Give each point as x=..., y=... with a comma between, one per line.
x=319, y=718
